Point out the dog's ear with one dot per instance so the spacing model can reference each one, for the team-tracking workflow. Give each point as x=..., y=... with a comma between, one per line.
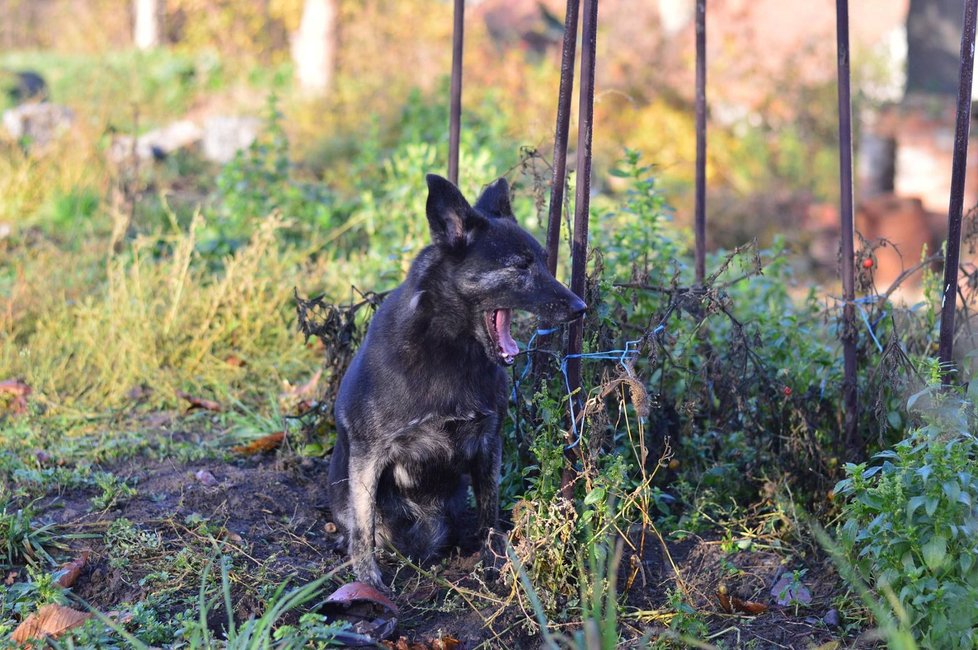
x=495, y=200
x=450, y=217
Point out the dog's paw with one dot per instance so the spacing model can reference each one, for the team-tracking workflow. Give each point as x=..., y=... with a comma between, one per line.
x=367, y=571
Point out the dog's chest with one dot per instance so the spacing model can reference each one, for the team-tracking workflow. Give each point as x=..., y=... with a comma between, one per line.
x=439, y=439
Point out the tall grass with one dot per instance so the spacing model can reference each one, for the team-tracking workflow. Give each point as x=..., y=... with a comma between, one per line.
x=164, y=321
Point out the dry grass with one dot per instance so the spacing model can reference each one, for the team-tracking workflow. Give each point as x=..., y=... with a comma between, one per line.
x=163, y=322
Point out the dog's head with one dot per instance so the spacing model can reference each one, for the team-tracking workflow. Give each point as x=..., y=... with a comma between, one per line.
x=493, y=265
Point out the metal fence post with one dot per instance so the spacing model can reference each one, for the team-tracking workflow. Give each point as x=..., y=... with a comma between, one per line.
x=700, y=214
x=455, y=118
x=558, y=182
x=849, y=385
x=582, y=204
x=956, y=201
x=557, y=185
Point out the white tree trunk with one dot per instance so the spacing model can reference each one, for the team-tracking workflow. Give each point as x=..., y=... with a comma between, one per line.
x=314, y=46
x=148, y=23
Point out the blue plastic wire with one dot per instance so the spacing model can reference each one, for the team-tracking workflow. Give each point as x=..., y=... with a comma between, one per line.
x=621, y=356
x=607, y=355
x=869, y=328
x=867, y=300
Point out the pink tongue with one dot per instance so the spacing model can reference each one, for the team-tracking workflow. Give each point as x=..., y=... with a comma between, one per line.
x=506, y=342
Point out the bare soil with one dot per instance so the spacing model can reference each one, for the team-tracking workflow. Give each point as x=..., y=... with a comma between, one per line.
x=270, y=512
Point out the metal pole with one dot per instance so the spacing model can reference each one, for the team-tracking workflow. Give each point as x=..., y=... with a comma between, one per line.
x=849, y=396
x=956, y=202
x=582, y=205
x=455, y=118
x=700, y=217
x=557, y=185
x=558, y=182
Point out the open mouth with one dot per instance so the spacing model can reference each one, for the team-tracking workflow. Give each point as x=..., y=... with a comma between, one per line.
x=497, y=324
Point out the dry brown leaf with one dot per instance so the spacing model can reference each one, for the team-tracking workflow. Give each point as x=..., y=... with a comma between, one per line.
x=447, y=642
x=199, y=402
x=11, y=578
x=206, y=478
x=261, y=445
x=49, y=620
x=235, y=361
x=20, y=390
x=69, y=572
x=748, y=606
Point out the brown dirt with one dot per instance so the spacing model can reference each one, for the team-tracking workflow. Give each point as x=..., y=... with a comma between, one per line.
x=271, y=513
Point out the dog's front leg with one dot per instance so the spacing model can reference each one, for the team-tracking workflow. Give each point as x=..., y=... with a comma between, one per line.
x=365, y=469
x=485, y=483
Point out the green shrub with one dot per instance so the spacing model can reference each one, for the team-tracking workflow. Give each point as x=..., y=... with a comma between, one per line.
x=911, y=524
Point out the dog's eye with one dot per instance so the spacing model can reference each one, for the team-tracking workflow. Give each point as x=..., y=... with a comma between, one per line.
x=523, y=263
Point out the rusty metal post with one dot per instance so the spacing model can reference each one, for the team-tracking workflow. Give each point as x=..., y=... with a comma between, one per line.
x=558, y=182
x=557, y=185
x=455, y=119
x=582, y=207
x=956, y=202
x=849, y=385
x=700, y=215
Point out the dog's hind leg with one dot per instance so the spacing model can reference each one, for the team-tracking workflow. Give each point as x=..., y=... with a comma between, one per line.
x=365, y=470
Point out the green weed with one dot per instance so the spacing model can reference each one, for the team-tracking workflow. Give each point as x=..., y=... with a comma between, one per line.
x=24, y=541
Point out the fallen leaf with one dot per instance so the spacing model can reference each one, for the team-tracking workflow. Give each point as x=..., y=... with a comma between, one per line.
x=235, y=361
x=447, y=642
x=11, y=578
x=199, y=402
x=788, y=591
x=748, y=606
x=20, y=390
x=69, y=572
x=369, y=612
x=261, y=445
x=206, y=478
x=49, y=620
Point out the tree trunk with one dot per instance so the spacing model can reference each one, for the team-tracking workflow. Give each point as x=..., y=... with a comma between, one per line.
x=148, y=23
x=314, y=46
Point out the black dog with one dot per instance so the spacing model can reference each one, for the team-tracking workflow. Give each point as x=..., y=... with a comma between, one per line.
x=424, y=398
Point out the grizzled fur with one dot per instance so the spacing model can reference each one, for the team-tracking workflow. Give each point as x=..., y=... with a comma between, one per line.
x=422, y=402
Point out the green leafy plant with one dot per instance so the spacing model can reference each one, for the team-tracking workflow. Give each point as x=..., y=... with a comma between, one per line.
x=113, y=490
x=910, y=522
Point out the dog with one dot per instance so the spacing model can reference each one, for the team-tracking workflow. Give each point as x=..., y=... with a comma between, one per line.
x=423, y=400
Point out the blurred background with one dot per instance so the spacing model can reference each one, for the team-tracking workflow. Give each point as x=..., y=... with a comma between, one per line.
x=191, y=81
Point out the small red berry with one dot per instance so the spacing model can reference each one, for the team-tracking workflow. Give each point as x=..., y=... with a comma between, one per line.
x=787, y=391
x=868, y=263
